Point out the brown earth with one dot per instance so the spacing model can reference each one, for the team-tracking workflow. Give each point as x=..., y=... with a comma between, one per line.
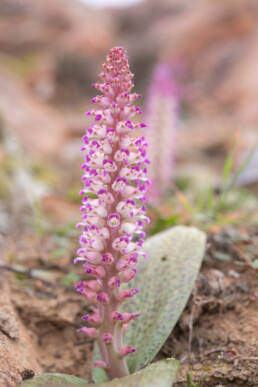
x=221, y=322
x=17, y=351
x=215, y=339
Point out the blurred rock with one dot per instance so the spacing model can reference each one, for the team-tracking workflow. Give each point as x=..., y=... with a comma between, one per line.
x=38, y=127
x=54, y=43
x=216, y=43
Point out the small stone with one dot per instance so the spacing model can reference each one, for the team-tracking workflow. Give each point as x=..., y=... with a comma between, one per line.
x=233, y=273
x=27, y=374
x=197, y=366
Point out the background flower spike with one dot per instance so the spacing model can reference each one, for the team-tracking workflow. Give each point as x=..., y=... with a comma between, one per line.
x=162, y=118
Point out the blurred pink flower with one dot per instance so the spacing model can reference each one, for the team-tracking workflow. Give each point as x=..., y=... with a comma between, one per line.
x=162, y=116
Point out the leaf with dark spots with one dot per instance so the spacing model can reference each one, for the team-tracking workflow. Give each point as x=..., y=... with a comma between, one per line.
x=165, y=281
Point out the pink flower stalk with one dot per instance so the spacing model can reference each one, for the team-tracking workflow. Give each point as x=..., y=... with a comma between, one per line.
x=112, y=221
x=162, y=113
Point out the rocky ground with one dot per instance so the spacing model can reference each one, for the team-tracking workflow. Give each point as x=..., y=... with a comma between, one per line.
x=215, y=338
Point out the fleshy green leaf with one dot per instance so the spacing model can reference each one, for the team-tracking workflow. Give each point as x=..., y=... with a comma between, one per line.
x=255, y=264
x=159, y=374
x=165, y=281
x=51, y=380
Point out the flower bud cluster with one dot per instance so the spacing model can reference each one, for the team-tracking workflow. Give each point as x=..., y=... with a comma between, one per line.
x=113, y=209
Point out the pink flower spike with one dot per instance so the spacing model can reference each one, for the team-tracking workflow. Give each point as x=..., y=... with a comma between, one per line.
x=92, y=319
x=113, y=220
x=129, y=124
x=103, y=298
x=107, y=338
x=116, y=316
x=93, y=285
x=126, y=350
x=79, y=259
x=122, y=264
x=114, y=181
x=96, y=271
x=126, y=276
x=108, y=259
x=125, y=294
x=100, y=363
x=91, y=332
x=114, y=282
x=127, y=317
x=98, y=117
